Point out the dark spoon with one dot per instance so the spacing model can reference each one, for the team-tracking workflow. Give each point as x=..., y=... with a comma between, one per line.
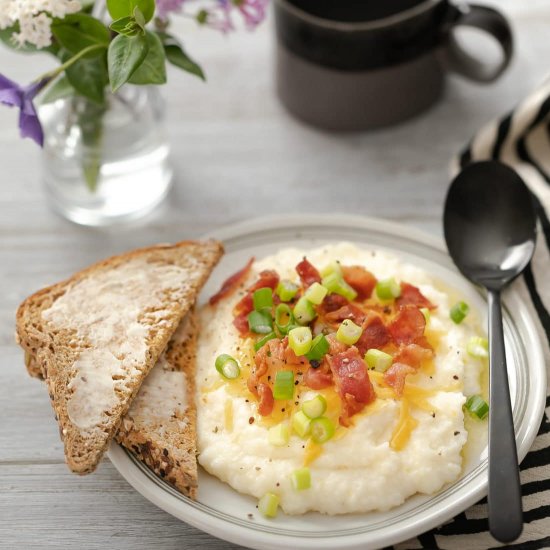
x=490, y=229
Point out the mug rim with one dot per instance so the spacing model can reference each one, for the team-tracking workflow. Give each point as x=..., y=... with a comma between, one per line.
x=359, y=25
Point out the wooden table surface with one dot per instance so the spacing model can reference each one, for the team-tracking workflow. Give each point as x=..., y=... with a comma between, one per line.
x=237, y=155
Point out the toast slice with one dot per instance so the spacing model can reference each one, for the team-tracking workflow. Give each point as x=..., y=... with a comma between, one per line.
x=96, y=336
x=160, y=427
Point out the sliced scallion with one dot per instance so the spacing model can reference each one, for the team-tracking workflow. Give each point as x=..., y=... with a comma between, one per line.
x=388, y=289
x=478, y=347
x=348, y=332
x=301, y=479
x=286, y=290
x=319, y=348
x=268, y=505
x=332, y=267
x=227, y=366
x=283, y=318
x=458, y=312
x=316, y=293
x=260, y=322
x=263, y=299
x=378, y=360
x=279, y=435
x=262, y=341
x=301, y=424
x=335, y=283
x=477, y=406
x=283, y=389
x=322, y=429
x=316, y=407
x=304, y=311
x=300, y=340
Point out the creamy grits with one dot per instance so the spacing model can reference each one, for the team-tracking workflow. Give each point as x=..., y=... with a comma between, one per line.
x=394, y=447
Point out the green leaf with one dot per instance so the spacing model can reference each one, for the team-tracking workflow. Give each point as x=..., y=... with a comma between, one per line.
x=78, y=31
x=139, y=18
x=177, y=56
x=127, y=26
x=153, y=68
x=125, y=8
x=60, y=89
x=125, y=55
x=89, y=78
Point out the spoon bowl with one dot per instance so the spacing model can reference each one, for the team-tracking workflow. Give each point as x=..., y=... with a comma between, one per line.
x=490, y=230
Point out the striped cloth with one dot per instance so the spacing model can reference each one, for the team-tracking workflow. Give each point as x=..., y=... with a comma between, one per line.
x=522, y=140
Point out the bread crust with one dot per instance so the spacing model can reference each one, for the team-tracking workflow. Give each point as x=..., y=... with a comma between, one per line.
x=52, y=354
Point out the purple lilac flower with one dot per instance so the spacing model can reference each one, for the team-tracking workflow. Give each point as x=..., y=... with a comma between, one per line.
x=253, y=11
x=13, y=95
x=166, y=7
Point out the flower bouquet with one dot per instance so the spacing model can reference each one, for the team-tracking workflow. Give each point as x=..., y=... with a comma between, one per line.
x=101, y=47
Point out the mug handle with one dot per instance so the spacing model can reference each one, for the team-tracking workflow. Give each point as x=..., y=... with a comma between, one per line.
x=492, y=22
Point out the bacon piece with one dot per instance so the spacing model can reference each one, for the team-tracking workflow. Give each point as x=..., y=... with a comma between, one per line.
x=412, y=355
x=395, y=376
x=335, y=346
x=375, y=334
x=349, y=311
x=360, y=279
x=270, y=357
x=231, y=283
x=265, y=406
x=319, y=378
x=332, y=302
x=352, y=382
x=241, y=323
x=411, y=295
x=308, y=273
x=408, y=325
x=268, y=279
x=244, y=305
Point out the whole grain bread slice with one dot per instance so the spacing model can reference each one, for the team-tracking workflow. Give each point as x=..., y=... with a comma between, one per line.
x=160, y=427
x=95, y=336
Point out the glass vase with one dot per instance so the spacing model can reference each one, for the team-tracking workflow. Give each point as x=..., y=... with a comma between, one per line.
x=106, y=164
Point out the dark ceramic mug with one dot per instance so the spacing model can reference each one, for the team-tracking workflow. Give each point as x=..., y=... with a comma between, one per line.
x=360, y=64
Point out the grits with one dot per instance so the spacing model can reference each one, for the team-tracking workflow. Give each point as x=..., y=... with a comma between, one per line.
x=357, y=470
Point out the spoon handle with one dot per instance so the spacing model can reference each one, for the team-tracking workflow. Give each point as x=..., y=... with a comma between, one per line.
x=504, y=500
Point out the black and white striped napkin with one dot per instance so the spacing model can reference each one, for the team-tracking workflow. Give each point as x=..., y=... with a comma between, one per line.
x=522, y=140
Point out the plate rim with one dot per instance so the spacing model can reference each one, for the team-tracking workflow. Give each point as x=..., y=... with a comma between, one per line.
x=260, y=539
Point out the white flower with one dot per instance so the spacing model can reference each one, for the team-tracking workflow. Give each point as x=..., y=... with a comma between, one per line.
x=34, y=18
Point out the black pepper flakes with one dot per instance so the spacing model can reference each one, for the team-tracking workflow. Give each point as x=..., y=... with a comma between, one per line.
x=457, y=433
x=251, y=420
x=455, y=377
x=250, y=516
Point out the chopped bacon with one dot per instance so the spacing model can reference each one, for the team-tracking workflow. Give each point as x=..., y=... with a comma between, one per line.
x=411, y=295
x=319, y=378
x=335, y=346
x=395, y=376
x=375, y=334
x=308, y=273
x=349, y=311
x=332, y=302
x=231, y=283
x=268, y=279
x=408, y=325
x=265, y=406
x=241, y=323
x=271, y=356
x=412, y=355
x=244, y=305
x=360, y=279
x=352, y=382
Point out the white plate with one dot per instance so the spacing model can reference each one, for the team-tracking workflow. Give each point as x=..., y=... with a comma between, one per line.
x=226, y=514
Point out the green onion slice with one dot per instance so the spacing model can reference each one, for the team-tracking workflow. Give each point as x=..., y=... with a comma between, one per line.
x=301, y=424
x=262, y=341
x=304, y=311
x=283, y=390
x=316, y=293
x=286, y=290
x=260, y=322
x=316, y=407
x=388, y=289
x=459, y=311
x=477, y=406
x=301, y=479
x=279, y=435
x=478, y=347
x=348, y=332
x=378, y=360
x=263, y=299
x=300, y=340
x=322, y=429
x=319, y=348
x=332, y=267
x=336, y=284
x=227, y=366
x=284, y=319
x=268, y=505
